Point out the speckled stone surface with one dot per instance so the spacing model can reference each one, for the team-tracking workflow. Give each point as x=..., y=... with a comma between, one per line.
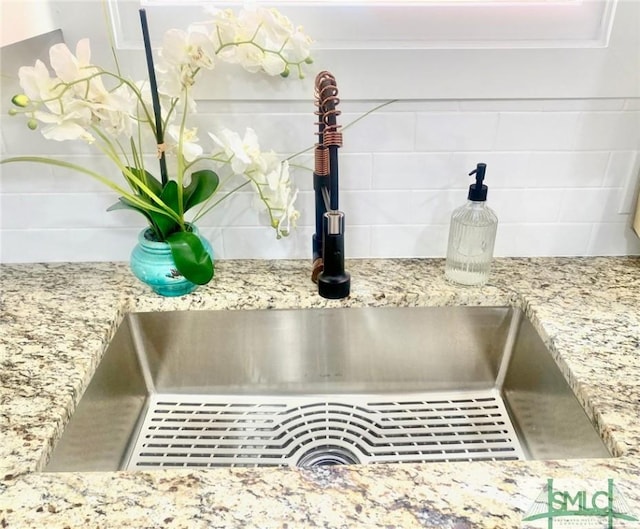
x=56, y=320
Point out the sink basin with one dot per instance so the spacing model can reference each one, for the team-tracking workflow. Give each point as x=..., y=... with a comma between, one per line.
x=313, y=387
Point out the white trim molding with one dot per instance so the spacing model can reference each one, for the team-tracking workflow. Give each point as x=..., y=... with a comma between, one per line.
x=444, y=49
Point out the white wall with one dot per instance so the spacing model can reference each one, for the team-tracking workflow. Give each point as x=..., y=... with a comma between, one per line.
x=562, y=176
x=23, y=19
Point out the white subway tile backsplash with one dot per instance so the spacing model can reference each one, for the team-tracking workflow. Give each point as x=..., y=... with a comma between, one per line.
x=412, y=171
x=613, y=131
x=355, y=171
x=536, y=131
x=591, y=205
x=528, y=240
x=566, y=169
x=56, y=245
x=64, y=210
x=427, y=240
x=26, y=178
x=399, y=207
x=562, y=177
x=456, y=131
x=358, y=242
x=526, y=205
x=623, y=167
x=631, y=184
x=614, y=238
x=380, y=132
x=261, y=243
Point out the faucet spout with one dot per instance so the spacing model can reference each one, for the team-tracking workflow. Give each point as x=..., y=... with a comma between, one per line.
x=328, y=241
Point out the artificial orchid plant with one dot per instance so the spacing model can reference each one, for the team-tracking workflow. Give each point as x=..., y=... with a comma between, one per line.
x=83, y=101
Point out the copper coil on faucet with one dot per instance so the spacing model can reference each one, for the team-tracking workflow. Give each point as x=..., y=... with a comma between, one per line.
x=326, y=93
x=320, y=121
x=321, y=160
x=332, y=137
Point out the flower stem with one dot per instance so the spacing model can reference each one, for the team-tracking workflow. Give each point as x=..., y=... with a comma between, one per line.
x=202, y=212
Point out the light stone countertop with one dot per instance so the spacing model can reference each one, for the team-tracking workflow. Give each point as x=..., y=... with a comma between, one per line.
x=56, y=320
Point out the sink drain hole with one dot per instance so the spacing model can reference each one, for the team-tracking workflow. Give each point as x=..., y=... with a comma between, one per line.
x=327, y=455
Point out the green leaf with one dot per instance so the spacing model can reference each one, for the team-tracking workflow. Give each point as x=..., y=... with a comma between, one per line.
x=202, y=186
x=162, y=224
x=124, y=203
x=152, y=183
x=191, y=257
x=166, y=224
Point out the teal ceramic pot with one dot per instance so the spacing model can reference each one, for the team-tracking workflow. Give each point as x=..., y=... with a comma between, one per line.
x=151, y=262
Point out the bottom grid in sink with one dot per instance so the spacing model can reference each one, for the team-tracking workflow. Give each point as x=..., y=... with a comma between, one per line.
x=214, y=430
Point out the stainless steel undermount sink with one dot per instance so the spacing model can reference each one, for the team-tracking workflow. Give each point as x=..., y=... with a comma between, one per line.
x=314, y=387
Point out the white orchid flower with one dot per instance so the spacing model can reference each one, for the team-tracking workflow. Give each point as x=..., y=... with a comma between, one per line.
x=190, y=148
x=182, y=55
x=298, y=46
x=72, y=125
x=276, y=193
x=259, y=39
x=242, y=152
x=38, y=84
x=67, y=66
x=77, y=99
x=273, y=64
x=192, y=48
x=289, y=215
x=73, y=68
x=276, y=26
x=225, y=28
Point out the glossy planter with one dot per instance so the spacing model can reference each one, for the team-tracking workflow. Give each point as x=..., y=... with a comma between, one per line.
x=151, y=262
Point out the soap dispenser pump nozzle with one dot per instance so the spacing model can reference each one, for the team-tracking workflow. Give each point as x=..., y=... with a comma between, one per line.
x=478, y=191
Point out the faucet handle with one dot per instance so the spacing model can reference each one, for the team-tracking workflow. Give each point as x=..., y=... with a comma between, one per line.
x=316, y=269
x=333, y=282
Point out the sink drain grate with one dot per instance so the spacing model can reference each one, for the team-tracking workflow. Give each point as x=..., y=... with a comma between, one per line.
x=215, y=430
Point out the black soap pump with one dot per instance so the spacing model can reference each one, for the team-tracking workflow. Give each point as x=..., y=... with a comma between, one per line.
x=478, y=191
x=472, y=236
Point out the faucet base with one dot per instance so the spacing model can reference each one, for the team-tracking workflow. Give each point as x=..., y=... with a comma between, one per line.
x=334, y=286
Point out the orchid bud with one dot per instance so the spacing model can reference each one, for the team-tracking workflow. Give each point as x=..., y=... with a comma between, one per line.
x=32, y=124
x=20, y=100
x=285, y=73
x=13, y=112
x=308, y=60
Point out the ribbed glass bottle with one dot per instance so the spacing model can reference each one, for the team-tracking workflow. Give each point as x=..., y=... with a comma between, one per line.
x=472, y=235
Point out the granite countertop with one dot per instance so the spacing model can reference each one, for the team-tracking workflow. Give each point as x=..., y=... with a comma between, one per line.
x=56, y=320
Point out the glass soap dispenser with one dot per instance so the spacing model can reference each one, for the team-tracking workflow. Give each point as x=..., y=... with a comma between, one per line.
x=472, y=235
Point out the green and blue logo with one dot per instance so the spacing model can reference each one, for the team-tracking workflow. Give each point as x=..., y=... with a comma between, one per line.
x=580, y=508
